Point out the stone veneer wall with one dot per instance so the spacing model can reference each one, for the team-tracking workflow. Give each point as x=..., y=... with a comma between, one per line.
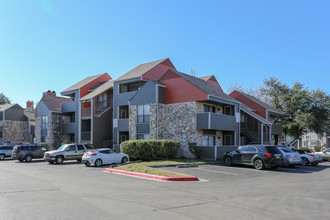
x=54, y=130
x=175, y=122
x=15, y=131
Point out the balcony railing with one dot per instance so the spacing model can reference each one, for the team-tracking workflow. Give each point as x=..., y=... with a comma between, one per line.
x=69, y=106
x=69, y=128
x=1, y=128
x=123, y=125
x=214, y=121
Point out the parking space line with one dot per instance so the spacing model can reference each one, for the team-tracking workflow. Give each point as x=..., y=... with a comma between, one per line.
x=213, y=171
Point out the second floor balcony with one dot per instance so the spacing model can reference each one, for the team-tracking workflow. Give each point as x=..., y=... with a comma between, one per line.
x=214, y=121
x=69, y=128
x=86, y=112
x=69, y=106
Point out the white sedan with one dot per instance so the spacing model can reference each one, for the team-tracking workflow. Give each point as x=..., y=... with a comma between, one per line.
x=103, y=156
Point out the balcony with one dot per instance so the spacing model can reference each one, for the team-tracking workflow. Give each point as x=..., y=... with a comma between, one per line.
x=69, y=128
x=123, y=124
x=277, y=129
x=69, y=106
x=213, y=121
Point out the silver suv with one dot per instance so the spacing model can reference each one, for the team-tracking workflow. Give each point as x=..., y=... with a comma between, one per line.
x=5, y=151
x=67, y=152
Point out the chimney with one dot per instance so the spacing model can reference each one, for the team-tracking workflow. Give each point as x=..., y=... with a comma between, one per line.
x=48, y=92
x=29, y=105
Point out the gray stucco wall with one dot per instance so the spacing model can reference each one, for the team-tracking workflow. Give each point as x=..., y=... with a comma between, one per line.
x=15, y=113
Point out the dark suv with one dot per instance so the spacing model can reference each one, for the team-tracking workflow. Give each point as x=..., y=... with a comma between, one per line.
x=5, y=151
x=28, y=152
x=259, y=156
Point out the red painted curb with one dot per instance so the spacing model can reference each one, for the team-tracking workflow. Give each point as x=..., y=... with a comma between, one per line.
x=152, y=176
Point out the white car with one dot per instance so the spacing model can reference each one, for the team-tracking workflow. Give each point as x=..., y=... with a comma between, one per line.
x=309, y=158
x=290, y=157
x=325, y=154
x=103, y=156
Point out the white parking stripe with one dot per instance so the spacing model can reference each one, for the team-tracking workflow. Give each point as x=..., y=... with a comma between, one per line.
x=213, y=171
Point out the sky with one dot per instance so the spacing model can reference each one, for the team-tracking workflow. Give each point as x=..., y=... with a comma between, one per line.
x=53, y=44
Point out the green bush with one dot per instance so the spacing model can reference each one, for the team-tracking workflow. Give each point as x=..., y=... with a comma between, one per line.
x=150, y=149
x=304, y=148
x=197, y=151
x=317, y=148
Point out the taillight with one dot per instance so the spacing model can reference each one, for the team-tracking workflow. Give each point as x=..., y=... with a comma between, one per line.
x=268, y=155
x=94, y=154
x=312, y=155
x=84, y=154
x=19, y=152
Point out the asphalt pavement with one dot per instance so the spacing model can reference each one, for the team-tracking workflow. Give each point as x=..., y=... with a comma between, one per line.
x=38, y=190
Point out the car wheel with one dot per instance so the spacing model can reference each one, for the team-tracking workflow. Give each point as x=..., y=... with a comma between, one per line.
x=304, y=161
x=87, y=164
x=20, y=160
x=274, y=168
x=124, y=160
x=228, y=161
x=259, y=164
x=28, y=158
x=315, y=164
x=59, y=159
x=2, y=156
x=79, y=160
x=98, y=163
x=52, y=162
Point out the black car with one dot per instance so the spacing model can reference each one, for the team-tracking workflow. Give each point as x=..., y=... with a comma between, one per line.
x=28, y=152
x=259, y=156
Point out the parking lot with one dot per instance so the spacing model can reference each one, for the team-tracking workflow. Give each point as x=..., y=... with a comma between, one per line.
x=38, y=190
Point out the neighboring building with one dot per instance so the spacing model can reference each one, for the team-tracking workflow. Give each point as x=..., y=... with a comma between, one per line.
x=155, y=101
x=49, y=120
x=14, y=126
x=311, y=139
x=84, y=110
x=255, y=129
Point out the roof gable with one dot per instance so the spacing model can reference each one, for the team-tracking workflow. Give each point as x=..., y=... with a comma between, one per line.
x=142, y=69
x=104, y=87
x=83, y=82
x=5, y=107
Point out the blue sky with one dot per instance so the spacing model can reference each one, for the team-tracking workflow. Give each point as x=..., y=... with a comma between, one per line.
x=52, y=44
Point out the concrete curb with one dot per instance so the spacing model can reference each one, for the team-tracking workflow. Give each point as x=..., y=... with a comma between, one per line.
x=186, y=164
x=152, y=176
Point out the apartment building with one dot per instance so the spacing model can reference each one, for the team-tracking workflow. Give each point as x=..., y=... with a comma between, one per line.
x=155, y=101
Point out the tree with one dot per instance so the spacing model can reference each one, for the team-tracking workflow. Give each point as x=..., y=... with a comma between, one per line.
x=4, y=99
x=303, y=109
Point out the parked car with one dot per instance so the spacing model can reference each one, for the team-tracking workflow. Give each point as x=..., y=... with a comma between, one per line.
x=308, y=157
x=325, y=154
x=28, y=152
x=103, y=156
x=291, y=158
x=260, y=156
x=67, y=152
x=5, y=151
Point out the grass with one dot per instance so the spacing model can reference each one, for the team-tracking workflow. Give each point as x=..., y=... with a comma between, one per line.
x=176, y=162
x=139, y=168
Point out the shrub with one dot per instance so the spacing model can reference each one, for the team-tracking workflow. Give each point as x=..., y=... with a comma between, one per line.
x=197, y=151
x=304, y=148
x=317, y=148
x=150, y=149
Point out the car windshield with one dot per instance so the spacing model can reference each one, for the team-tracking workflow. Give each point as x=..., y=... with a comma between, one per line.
x=62, y=147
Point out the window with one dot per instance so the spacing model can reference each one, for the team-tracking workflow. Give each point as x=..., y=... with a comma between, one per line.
x=43, y=139
x=34, y=148
x=251, y=149
x=72, y=148
x=44, y=122
x=209, y=108
x=143, y=136
x=80, y=147
x=227, y=110
x=89, y=146
x=105, y=151
x=143, y=113
x=102, y=100
x=208, y=140
x=123, y=111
